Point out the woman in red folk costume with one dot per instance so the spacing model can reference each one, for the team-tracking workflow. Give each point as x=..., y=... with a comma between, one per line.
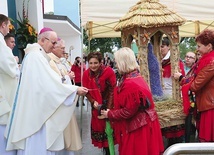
x=137, y=128
x=174, y=134
x=100, y=80
x=203, y=85
x=166, y=67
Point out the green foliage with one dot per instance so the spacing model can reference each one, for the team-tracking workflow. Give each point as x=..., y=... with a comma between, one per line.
x=187, y=44
x=108, y=44
x=102, y=44
x=25, y=33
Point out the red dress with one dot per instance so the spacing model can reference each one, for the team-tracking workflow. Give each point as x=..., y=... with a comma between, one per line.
x=77, y=72
x=166, y=66
x=101, y=85
x=178, y=130
x=137, y=128
x=202, y=85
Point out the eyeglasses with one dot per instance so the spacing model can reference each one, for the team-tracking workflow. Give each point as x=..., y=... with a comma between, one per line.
x=189, y=57
x=53, y=42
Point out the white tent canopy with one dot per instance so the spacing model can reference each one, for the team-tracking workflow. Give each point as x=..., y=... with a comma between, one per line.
x=103, y=15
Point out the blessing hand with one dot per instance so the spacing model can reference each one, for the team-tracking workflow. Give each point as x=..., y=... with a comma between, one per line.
x=82, y=91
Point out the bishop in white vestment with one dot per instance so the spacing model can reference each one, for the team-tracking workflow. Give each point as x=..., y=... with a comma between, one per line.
x=41, y=110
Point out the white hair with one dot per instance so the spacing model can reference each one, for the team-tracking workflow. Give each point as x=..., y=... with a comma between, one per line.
x=60, y=42
x=125, y=60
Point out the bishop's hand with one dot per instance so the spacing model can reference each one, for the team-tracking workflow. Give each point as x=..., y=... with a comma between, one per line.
x=82, y=91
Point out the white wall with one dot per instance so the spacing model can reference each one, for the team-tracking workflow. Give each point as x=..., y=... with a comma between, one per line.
x=3, y=7
x=35, y=14
x=48, y=6
x=74, y=41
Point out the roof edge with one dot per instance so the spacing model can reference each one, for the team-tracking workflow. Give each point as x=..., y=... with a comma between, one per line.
x=60, y=17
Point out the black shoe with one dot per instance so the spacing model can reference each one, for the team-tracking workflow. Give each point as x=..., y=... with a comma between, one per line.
x=106, y=151
x=77, y=105
x=83, y=104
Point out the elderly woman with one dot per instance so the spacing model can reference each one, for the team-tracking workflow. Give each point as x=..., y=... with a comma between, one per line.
x=137, y=126
x=203, y=85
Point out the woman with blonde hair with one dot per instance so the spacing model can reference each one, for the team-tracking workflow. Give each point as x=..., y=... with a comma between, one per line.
x=137, y=128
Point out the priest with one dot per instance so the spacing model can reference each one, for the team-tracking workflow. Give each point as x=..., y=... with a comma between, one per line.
x=43, y=103
x=9, y=74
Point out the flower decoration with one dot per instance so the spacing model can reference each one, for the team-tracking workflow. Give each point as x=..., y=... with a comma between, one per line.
x=26, y=33
x=173, y=33
x=12, y=29
x=145, y=35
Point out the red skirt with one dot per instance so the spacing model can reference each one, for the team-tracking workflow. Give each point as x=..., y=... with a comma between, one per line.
x=146, y=140
x=206, y=126
x=98, y=135
x=174, y=131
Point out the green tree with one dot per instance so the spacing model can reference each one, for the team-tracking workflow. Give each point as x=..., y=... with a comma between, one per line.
x=102, y=44
x=187, y=44
x=108, y=44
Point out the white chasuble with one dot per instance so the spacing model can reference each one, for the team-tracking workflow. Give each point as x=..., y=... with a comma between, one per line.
x=43, y=103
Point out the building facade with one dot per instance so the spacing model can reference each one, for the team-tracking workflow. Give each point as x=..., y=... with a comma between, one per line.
x=64, y=19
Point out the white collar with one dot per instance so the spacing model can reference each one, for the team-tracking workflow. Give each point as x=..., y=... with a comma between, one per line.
x=167, y=56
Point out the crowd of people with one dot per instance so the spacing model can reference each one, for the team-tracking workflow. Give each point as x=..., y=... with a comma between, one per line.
x=38, y=98
x=37, y=108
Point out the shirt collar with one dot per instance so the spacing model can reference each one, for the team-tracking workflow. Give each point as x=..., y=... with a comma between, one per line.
x=167, y=56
